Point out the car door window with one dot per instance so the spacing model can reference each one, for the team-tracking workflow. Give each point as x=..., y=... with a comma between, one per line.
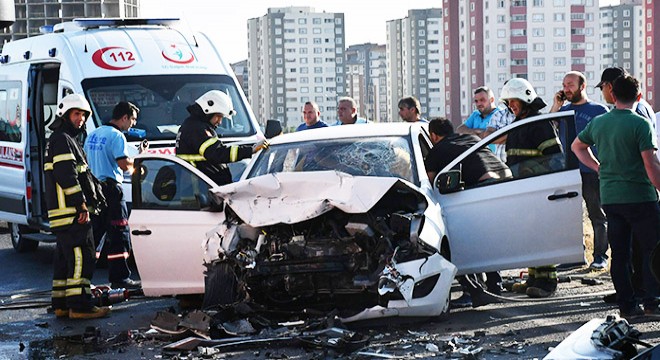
x=167, y=185
x=540, y=162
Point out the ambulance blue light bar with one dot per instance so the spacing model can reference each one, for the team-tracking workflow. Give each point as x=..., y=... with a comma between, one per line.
x=87, y=23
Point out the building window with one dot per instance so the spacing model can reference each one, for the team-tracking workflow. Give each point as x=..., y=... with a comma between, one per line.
x=559, y=46
x=559, y=16
x=559, y=61
x=538, y=32
x=559, y=32
x=501, y=33
x=302, y=21
x=538, y=18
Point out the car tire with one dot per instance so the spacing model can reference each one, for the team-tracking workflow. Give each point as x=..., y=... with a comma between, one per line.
x=18, y=241
x=220, y=285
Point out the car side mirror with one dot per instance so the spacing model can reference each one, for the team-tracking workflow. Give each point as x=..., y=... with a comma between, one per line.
x=449, y=182
x=273, y=128
x=208, y=202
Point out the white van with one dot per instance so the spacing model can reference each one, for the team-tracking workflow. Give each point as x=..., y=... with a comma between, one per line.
x=149, y=62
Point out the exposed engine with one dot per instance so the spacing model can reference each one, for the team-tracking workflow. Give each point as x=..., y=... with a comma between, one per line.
x=335, y=259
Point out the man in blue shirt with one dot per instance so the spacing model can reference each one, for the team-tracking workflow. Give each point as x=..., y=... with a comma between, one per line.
x=477, y=122
x=311, y=114
x=347, y=112
x=574, y=92
x=107, y=154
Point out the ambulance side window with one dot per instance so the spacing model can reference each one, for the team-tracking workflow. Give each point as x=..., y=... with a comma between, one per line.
x=10, y=111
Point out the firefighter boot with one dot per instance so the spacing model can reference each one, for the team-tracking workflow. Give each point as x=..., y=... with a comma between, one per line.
x=545, y=283
x=93, y=313
x=521, y=287
x=61, y=313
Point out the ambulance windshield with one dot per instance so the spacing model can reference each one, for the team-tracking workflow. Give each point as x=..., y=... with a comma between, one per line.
x=162, y=100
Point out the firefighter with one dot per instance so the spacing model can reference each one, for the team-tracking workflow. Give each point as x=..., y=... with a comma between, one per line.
x=526, y=154
x=198, y=143
x=71, y=195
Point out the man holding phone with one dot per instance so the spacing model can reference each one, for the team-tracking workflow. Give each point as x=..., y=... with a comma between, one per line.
x=574, y=92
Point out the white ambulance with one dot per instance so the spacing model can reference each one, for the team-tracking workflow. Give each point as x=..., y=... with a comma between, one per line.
x=152, y=63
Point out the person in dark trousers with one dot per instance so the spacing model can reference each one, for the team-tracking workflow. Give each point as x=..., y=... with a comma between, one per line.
x=643, y=109
x=480, y=167
x=70, y=197
x=527, y=148
x=574, y=92
x=199, y=144
x=107, y=153
x=629, y=179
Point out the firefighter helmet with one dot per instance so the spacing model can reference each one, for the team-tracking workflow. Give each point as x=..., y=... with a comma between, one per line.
x=518, y=88
x=216, y=102
x=73, y=101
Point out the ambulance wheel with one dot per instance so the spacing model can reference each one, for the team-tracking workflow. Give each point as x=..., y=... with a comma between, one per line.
x=20, y=243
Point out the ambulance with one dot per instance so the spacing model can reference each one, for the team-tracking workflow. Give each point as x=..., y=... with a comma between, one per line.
x=156, y=64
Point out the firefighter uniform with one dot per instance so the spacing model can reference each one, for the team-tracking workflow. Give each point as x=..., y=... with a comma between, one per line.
x=198, y=143
x=73, y=264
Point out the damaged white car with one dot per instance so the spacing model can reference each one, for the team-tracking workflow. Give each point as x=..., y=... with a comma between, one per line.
x=345, y=218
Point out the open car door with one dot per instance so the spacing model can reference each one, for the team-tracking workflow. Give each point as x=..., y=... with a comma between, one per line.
x=532, y=219
x=170, y=217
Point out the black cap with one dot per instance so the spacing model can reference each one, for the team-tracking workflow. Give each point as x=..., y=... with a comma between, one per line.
x=609, y=75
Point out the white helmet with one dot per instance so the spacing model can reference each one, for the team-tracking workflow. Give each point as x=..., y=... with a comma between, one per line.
x=518, y=88
x=73, y=101
x=216, y=102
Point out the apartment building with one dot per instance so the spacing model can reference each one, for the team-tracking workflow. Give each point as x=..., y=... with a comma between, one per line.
x=31, y=15
x=415, y=63
x=241, y=71
x=487, y=42
x=295, y=55
x=366, y=80
x=622, y=38
x=652, y=52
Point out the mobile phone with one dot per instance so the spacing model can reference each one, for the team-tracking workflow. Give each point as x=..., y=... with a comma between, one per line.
x=562, y=95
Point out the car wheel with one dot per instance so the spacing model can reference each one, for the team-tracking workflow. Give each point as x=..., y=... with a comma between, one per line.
x=220, y=285
x=21, y=244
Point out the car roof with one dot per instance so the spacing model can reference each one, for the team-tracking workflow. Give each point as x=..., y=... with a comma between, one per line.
x=347, y=131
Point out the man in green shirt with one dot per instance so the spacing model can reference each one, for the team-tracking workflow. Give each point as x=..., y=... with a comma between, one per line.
x=629, y=176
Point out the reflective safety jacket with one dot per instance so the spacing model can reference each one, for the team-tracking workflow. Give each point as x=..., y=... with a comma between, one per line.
x=198, y=143
x=63, y=164
x=534, y=140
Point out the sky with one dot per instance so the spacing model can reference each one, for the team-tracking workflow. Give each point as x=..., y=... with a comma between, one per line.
x=226, y=21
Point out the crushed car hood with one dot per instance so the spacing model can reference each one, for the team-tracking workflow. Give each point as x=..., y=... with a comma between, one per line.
x=293, y=197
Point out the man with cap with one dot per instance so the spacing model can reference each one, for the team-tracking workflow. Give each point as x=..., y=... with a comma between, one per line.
x=70, y=197
x=642, y=108
x=199, y=144
x=107, y=152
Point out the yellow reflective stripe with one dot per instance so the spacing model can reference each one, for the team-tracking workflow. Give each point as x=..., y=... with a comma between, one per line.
x=63, y=157
x=548, y=143
x=60, y=212
x=77, y=266
x=206, y=144
x=48, y=166
x=58, y=293
x=191, y=157
x=74, y=291
x=523, y=152
x=81, y=168
x=72, y=190
x=233, y=153
x=61, y=222
x=59, y=283
x=79, y=281
x=61, y=199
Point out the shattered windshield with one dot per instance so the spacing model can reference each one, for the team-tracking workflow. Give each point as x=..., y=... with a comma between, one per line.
x=385, y=156
x=162, y=100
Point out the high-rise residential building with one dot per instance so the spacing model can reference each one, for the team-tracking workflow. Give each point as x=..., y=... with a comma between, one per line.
x=31, y=15
x=241, y=71
x=295, y=55
x=488, y=42
x=622, y=37
x=366, y=81
x=652, y=52
x=415, y=62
